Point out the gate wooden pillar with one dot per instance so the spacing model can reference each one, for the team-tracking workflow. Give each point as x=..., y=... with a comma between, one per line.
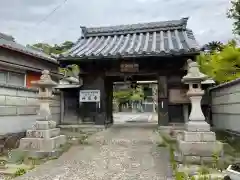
x=163, y=117
x=109, y=100
x=91, y=111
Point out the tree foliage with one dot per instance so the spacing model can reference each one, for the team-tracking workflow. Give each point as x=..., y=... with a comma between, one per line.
x=214, y=46
x=72, y=70
x=55, y=49
x=122, y=95
x=130, y=94
x=234, y=14
x=223, y=65
x=137, y=94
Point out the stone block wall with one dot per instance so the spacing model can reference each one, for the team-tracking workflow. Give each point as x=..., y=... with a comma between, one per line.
x=19, y=106
x=226, y=106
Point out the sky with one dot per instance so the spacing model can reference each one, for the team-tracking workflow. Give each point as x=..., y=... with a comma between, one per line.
x=28, y=20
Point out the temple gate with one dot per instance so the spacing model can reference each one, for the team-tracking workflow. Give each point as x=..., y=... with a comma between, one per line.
x=145, y=51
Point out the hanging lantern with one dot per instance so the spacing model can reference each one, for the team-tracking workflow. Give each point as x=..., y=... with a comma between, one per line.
x=127, y=81
x=134, y=84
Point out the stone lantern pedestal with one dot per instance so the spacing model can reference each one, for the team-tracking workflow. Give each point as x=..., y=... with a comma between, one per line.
x=44, y=138
x=197, y=144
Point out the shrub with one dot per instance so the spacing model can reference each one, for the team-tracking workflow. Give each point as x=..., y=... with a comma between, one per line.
x=20, y=172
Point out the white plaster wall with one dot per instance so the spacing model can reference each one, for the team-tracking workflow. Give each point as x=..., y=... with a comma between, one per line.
x=226, y=107
x=18, y=109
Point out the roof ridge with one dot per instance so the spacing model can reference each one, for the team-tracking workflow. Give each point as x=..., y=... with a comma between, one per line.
x=6, y=37
x=180, y=23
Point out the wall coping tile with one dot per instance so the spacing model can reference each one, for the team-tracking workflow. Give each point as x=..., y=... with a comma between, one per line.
x=225, y=85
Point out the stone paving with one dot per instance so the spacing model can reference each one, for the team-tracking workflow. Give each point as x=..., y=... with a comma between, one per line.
x=122, y=117
x=121, y=152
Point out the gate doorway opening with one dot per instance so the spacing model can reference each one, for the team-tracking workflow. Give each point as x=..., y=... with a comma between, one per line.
x=135, y=100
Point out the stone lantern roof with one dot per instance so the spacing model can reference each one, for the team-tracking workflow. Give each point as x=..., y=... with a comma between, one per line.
x=194, y=75
x=45, y=80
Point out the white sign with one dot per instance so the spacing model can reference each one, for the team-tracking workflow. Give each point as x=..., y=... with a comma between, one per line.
x=89, y=96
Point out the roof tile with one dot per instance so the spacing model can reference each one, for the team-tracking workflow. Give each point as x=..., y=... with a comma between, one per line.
x=8, y=42
x=158, y=38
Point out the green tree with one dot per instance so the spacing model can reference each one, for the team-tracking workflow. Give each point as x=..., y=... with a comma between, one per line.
x=214, y=46
x=221, y=66
x=137, y=94
x=67, y=45
x=55, y=49
x=72, y=70
x=234, y=14
x=46, y=48
x=122, y=95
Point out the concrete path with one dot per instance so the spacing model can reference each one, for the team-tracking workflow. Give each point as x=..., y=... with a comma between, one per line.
x=119, y=153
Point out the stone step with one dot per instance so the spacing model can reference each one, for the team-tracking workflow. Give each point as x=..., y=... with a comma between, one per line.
x=81, y=126
x=86, y=128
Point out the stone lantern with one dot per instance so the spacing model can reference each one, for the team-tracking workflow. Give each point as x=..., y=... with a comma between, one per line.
x=197, y=143
x=45, y=88
x=194, y=78
x=44, y=138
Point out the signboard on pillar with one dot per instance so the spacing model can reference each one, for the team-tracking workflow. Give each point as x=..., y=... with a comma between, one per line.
x=89, y=96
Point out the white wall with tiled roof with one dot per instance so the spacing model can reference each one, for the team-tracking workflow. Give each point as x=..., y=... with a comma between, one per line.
x=226, y=105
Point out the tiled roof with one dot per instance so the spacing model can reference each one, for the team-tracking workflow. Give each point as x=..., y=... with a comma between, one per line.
x=8, y=42
x=145, y=39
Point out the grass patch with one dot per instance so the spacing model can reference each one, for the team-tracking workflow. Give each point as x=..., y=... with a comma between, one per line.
x=20, y=172
x=231, y=144
x=162, y=144
x=167, y=138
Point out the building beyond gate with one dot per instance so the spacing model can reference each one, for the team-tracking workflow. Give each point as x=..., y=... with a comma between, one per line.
x=145, y=51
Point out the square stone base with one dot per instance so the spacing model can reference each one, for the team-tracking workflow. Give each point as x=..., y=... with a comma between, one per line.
x=179, y=157
x=199, y=148
x=199, y=136
x=44, y=125
x=198, y=152
x=40, y=144
x=197, y=126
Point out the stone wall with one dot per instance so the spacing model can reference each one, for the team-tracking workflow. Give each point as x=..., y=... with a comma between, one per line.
x=226, y=106
x=18, y=108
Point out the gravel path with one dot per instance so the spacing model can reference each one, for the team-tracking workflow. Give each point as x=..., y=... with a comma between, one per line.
x=118, y=153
